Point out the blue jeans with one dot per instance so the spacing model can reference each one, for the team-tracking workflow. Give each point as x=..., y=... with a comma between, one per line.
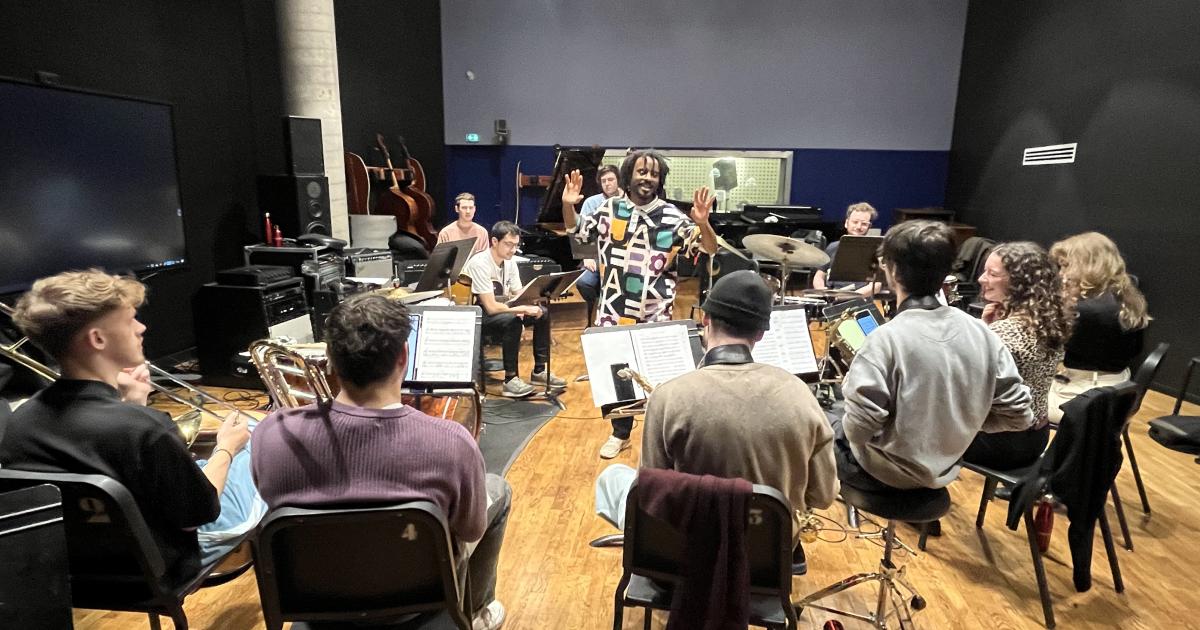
x=241, y=510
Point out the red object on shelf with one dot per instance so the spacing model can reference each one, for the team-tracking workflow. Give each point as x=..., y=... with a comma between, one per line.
x=1043, y=522
x=268, y=230
x=278, y=240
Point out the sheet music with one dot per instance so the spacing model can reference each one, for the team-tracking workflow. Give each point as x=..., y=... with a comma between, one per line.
x=788, y=344
x=445, y=349
x=601, y=351
x=662, y=352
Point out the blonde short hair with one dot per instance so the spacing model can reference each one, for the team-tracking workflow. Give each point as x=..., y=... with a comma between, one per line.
x=862, y=206
x=463, y=197
x=1091, y=265
x=58, y=307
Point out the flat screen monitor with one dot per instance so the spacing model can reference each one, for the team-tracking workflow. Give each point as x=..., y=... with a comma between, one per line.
x=87, y=180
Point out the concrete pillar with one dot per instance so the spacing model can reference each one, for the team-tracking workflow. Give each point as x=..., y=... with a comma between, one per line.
x=308, y=58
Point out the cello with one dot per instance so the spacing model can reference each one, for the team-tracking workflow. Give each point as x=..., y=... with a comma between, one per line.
x=420, y=220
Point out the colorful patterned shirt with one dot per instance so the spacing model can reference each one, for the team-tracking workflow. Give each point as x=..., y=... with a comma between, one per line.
x=637, y=246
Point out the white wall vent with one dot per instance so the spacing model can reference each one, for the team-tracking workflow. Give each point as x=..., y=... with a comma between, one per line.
x=1053, y=154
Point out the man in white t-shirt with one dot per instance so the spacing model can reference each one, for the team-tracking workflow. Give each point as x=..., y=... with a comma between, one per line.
x=464, y=226
x=494, y=281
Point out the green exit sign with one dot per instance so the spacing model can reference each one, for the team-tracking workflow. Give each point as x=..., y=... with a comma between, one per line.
x=472, y=137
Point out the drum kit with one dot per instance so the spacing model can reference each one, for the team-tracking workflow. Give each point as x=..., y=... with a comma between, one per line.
x=838, y=313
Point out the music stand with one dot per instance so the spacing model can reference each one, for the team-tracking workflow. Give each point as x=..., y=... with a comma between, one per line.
x=856, y=259
x=444, y=265
x=632, y=406
x=551, y=286
x=439, y=387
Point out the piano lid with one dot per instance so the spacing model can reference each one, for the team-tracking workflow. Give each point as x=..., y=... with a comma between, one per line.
x=587, y=161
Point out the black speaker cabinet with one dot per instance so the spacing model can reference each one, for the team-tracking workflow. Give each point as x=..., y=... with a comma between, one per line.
x=229, y=318
x=305, y=149
x=299, y=204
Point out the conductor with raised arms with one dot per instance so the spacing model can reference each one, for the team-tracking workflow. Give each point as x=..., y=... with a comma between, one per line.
x=639, y=236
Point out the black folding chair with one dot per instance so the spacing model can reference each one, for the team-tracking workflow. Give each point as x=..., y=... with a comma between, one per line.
x=655, y=558
x=1177, y=432
x=1128, y=392
x=382, y=563
x=1142, y=378
x=33, y=560
x=114, y=561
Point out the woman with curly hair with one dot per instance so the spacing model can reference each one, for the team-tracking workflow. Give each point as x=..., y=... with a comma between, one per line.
x=1021, y=284
x=1112, y=316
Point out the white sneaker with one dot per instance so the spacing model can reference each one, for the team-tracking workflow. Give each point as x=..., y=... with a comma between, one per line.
x=516, y=388
x=613, y=447
x=490, y=618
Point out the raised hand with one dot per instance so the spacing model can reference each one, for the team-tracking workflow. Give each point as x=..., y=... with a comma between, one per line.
x=702, y=203
x=990, y=312
x=573, y=190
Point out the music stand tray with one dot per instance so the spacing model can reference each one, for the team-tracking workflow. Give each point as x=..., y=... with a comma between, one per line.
x=551, y=286
x=856, y=259
x=444, y=265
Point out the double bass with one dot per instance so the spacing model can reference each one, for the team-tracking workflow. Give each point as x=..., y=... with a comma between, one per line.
x=393, y=200
x=420, y=221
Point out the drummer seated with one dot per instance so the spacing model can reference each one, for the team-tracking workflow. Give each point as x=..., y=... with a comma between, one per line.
x=94, y=420
x=366, y=446
x=923, y=384
x=859, y=217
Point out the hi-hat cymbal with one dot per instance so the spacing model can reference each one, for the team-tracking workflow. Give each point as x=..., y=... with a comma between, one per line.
x=786, y=251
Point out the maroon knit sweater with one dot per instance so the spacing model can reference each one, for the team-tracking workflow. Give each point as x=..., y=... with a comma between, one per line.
x=348, y=456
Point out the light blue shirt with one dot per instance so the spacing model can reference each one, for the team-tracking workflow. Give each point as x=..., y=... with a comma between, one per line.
x=591, y=204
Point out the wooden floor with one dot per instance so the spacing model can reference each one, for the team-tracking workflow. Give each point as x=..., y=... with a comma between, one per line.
x=550, y=577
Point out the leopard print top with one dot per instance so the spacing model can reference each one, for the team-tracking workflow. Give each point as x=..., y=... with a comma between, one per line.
x=1035, y=362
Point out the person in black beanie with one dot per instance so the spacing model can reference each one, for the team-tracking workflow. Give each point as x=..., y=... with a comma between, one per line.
x=733, y=417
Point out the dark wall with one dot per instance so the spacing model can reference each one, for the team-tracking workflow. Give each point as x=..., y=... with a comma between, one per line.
x=192, y=54
x=390, y=70
x=1121, y=79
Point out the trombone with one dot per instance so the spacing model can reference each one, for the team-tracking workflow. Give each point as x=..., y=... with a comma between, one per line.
x=188, y=423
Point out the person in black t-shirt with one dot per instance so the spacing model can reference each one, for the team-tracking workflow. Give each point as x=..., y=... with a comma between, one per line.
x=1111, y=317
x=94, y=420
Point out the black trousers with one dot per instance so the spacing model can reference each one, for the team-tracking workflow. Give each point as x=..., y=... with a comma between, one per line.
x=849, y=471
x=1008, y=450
x=508, y=327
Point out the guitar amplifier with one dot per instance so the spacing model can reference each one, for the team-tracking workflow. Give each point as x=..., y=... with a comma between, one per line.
x=536, y=266
x=369, y=263
x=409, y=271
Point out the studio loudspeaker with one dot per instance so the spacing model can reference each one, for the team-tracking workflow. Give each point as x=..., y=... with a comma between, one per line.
x=306, y=151
x=299, y=204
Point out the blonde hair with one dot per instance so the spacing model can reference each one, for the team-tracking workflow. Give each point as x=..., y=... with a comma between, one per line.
x=466, y=196
x=58, y=307
x=1091, y=265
